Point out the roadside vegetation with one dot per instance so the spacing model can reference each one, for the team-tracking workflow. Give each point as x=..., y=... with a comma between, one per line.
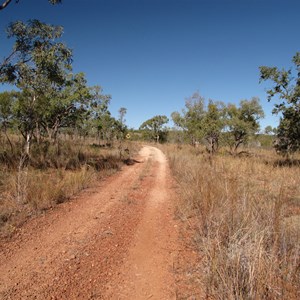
x=57, y=133
x=52, y=174
x=242, y=202
x=239, y=189
x=245, y=213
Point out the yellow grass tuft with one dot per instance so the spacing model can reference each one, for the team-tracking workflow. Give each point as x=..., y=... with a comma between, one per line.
x=48, y=178
x=246, y=215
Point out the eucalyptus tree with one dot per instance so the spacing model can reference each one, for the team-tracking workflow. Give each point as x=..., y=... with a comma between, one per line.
x=201, y=122
x=241, y=122
x=70, y=106
x=155, y=128
x=212, y=124
x=7, y=100
x=100, y=117
x=122, y=128
x=38, y=66
x=189, y=120
x=269, y=130
x=286, y=86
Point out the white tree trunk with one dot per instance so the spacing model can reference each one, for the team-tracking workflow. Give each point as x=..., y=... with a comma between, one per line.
x=27, y=145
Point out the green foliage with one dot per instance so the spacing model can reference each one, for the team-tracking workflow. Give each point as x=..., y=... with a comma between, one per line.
x=212, y=125
x=6, y=108
x=101, y=120
x=66, y=107
x=154, y=128
x=190, y=118
x=6, y=113
x=50, y=96
x=37, y=58
x=242, y=122
x=38, y=66
x=200, y=122
x=286, y=85
x=265, y=140
x=122, y=128
x=215, y=121
x=269, y=130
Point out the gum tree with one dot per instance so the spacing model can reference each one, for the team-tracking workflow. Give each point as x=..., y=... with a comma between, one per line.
x=154, y=127
x=122, y=128
x=71, y=105
x=286, y=88
x=212, y=125
x=38, y=66
x=242, y=122
x=189, y=120
x=201, y=122
x=7, y=100
x=100, y=118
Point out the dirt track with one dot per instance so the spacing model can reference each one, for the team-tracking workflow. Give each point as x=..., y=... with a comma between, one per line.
x=118, y=240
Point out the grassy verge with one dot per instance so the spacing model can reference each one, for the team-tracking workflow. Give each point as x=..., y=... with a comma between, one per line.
x=246, y=216
x=52, y=175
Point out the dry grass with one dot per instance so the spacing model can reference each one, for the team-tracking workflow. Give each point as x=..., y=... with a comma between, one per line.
x=38, y=191
x=51, y=177
x=246, y=213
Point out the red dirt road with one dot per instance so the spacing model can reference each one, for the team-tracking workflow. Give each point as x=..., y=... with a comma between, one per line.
x=118, y=240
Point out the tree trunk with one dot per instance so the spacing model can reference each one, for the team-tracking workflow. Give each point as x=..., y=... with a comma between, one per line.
x=27, y=145
x=38, y=133
x=157, y=139
x=55, y=129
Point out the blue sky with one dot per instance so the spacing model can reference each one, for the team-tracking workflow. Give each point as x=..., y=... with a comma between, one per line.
x=152, y=54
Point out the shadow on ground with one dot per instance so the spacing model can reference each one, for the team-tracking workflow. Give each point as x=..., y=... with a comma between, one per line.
x=131, y=162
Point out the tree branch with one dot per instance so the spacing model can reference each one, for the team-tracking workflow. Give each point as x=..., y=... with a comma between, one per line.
x=2, y=6
x=6, y=60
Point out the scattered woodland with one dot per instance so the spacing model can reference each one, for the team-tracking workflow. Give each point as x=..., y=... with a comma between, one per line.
x=239, y=184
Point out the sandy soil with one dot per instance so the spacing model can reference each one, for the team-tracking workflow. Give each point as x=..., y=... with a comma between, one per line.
x=118, y=240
